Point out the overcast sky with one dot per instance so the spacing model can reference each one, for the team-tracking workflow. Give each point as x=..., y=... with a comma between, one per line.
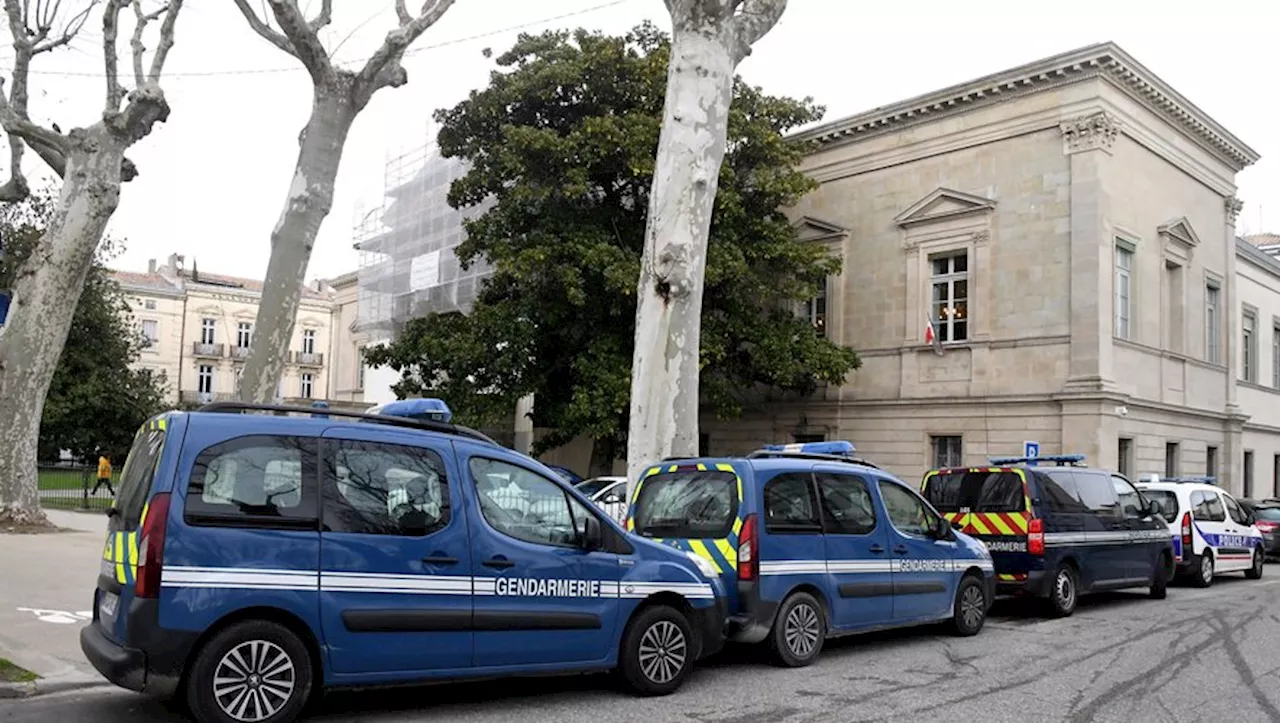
x=215, y=176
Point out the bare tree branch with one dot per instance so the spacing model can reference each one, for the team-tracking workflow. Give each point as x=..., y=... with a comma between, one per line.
x=260, y=27
x=110, y=56
x=754, y=20
x=69, y=32
x=139, y=49
x=325, y=17
x=383, y=69
x=166, y=41
x=303, y=38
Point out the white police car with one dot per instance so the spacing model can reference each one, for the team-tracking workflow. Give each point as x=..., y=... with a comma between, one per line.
x=253, y=559
x=1212, y=534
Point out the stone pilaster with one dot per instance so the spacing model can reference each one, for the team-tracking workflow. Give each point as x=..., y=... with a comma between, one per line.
x=1233, y=444
x=1087, y=142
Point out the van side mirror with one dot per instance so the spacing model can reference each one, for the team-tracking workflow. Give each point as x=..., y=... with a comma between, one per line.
x=592, y=535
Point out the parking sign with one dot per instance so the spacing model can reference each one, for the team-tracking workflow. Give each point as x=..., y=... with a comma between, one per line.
x=1031, y=449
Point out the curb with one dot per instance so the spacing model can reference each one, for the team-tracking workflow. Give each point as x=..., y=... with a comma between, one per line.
x=44, y=686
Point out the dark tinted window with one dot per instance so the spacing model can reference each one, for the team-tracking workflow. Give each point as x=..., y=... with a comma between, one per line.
x=384, y=489
x=789, y=505
x=847, y=507
x=592, y=486
x=1097, y=493
x=976, y=492
x=258, y=481
x=1267, y=513
x=689, y=504
x=1167, y=501
x=135, y=478
x=1058, y=492
x=1207, y=506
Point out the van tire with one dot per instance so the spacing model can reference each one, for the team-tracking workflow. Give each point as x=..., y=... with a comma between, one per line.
x=1160, y=583
x=228, y=651
x=663, y=631
x=966, y=619
x=1259, y=561
x=798, y=632
x=1064, y=591
x=1202, y=574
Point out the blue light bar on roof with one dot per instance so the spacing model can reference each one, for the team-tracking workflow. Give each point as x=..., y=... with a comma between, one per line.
x=432, y=410
x=1054, y=458
x=839, y=448
x=1194, y=479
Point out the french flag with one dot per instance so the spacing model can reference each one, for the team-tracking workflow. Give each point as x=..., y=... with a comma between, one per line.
x=931, y=334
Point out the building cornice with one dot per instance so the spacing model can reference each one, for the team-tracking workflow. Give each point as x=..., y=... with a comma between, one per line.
x=1106, y=61
x=1257, y=257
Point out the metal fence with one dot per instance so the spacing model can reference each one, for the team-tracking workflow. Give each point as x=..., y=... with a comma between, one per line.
x=72, y=487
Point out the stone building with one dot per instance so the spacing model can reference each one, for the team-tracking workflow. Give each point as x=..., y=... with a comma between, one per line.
x=1071, y=225
x=199, y=326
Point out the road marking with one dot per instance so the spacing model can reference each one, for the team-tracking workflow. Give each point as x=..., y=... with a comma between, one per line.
x=58, y=617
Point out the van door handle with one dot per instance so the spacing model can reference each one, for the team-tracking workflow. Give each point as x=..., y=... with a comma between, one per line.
x=440, y=560
x=900, y=549
x=500, y=563
x=876, y=549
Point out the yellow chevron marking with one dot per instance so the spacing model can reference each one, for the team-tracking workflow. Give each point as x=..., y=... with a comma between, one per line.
x=730, y=554
x=701, y=550
x=999, y=524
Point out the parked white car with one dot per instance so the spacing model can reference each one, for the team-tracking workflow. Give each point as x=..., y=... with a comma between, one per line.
x=1212, y=533
x=608, y=493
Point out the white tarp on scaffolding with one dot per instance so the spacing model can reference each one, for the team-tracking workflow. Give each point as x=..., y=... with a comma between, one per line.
x=424, y=271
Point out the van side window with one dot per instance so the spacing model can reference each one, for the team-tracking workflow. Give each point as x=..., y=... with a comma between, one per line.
x=1058, y=491
x=789, y=506
x=847, y=508
x=1097, y=493
x=137, y=476
x=373, y=488
x=1131, y=502
x=1233, y=509
x=906, y=511
x=1207, y=506
x=261, y=481
x=524, y=505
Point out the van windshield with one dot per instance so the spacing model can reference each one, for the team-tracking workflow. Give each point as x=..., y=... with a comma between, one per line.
x=982, y=491
x=135, y=479
x=688, y=505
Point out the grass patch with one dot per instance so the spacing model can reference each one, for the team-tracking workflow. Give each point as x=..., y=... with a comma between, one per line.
x=10, y=673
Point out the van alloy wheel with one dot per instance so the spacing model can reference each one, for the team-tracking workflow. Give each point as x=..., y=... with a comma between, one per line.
x=1206, y=569
x=663, y=652
x=253, y=681
x=1064, y=587
x=802, y=630
x=973, y=606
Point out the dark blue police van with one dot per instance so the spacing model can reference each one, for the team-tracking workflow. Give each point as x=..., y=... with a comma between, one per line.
x=253, y=559
x=812, y=542
x=1057, y=529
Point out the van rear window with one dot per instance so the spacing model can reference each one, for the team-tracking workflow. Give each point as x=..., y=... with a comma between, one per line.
x=983, y=491
x=136, y=477
x=687, y=505
x=1167, y=501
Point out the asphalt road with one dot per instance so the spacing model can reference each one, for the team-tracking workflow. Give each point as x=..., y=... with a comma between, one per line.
x=1200, y=655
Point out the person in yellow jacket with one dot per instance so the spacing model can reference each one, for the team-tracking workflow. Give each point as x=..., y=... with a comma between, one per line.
x=104, y=476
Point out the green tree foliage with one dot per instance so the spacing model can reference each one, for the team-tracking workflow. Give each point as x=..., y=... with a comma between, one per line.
x=96, y=401
x=563, y=139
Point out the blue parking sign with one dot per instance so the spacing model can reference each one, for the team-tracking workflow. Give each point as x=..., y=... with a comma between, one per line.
x=1031, y=450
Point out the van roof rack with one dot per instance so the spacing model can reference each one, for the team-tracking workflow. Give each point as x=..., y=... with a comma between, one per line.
x=419, y=424
x=1061, y=460
x=787, y=454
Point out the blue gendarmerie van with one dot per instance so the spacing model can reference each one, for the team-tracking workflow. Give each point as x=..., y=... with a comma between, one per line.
x=811, y=542
x=254, y=559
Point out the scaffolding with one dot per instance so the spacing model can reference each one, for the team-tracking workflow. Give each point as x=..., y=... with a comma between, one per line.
x=408, y=265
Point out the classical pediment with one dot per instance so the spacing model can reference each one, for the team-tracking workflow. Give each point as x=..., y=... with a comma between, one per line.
x=1179, y=229
x=943, y=203
x=809, y=228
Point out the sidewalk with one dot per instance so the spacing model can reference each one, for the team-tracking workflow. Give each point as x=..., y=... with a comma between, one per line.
x=46, y=598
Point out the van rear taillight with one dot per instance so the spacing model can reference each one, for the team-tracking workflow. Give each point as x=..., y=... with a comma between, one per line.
x=1186, y=531
x=1035, y=536
x=151, y=547
x=748, y=551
